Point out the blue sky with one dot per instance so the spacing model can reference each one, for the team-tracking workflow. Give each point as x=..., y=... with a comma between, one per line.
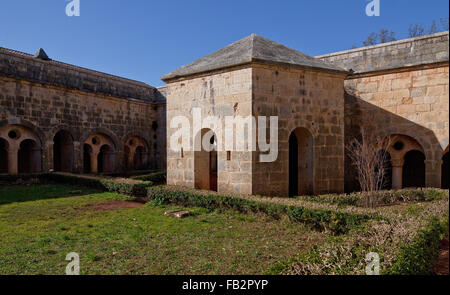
x=144, y=39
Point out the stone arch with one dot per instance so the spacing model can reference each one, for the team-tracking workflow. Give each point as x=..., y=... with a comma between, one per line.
x=105, y=132
x=63, y=151
x=205, y=160
x=406, y=149
x=24, y=147
x=136, y=153
x=37, y=132
x=102, y=154
x=29, y=156
x=445, y=168
x=301, y=162
x=105, y=159
x=4, y=149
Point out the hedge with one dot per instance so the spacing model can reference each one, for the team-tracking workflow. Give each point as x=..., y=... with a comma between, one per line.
x=384, y=197
x=157, y=177
x=419, y=257
x=117, y=185
x=336, y=222
x=131, y=174
x=10, y=178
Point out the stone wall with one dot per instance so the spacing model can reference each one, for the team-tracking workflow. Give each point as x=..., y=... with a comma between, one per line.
x=399, y=88
x=308, y=103
x=46, y=97
x=429, y=49
x=226, y=93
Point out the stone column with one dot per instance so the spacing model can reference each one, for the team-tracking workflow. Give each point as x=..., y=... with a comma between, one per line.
x=47, y=157
x=397, y=173
x=13, y=165
x=94, y=163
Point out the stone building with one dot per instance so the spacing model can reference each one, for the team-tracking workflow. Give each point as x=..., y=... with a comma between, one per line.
x=55, y=116
x=396, y=90
x=401, y=89
x=258, y=77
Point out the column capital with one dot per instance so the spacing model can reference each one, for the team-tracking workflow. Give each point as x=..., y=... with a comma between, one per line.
x=397, y=162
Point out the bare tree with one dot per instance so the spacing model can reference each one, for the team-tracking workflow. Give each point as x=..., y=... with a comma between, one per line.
x=382, y=37
x=371, y=161
x=386, y=36
x=416, y=30
x=372, y=39
x=433, y=28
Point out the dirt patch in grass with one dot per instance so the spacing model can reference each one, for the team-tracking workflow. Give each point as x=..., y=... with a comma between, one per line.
x=112, y=205
x=442, y=267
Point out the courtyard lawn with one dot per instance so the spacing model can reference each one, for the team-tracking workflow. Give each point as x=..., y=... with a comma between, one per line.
x=40, y=224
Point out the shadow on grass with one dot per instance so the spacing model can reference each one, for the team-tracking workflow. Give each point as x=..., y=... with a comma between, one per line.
x=26, y=193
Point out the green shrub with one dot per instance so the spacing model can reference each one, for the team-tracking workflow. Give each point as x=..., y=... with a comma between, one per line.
x=10, y=178
x=383, y=197
x=119, y=185
x=337, y=222
x=419, y=257
x=158, y=177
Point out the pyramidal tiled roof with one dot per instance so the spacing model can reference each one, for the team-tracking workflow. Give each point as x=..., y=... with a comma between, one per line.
x=251, y=48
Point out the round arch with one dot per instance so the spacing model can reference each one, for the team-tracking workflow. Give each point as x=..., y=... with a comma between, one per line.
x=301, y=162
x=205, y=160
x=99, y=153
x=136, y=153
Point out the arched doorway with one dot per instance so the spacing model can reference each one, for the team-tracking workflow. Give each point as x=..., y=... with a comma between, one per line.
x=136, y=153
x=139, y=158
x=408, y=161
x=444, y=174
x=414, y=169
x=63, y=151
x=205, y=160
x=105, y=159
x=29, y=156
x=4, y=147
x=301, y=163
x=99, y=154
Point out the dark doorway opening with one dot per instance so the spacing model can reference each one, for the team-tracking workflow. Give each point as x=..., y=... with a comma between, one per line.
x=414, y=169
x=444, y=174
x=4, y=148
x=29, y=157
x=301, y=163
x=105, y=159
x=63, y=152
x=139, y=158
x=205, y=161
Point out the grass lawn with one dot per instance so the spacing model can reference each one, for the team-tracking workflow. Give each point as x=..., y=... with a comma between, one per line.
x=40, y=224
